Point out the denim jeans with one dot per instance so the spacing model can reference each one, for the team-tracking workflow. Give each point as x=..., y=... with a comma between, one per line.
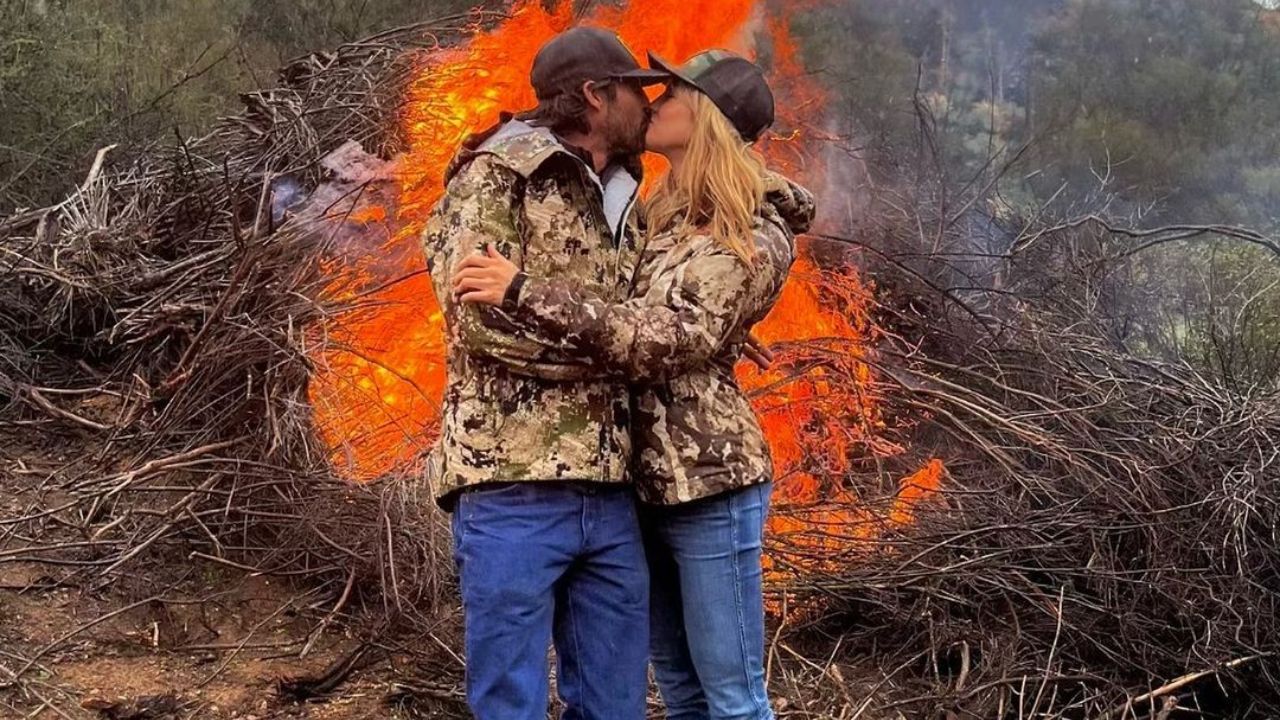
x=539, y=561
x=707, y=605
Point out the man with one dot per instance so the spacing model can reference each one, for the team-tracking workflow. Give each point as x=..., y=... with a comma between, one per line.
x=532, y=459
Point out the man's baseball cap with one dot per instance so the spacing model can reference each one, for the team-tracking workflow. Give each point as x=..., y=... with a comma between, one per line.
x=735, y=84
x=586, y=53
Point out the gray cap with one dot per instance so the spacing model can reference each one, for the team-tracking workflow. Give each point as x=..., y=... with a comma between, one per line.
x=586, y=53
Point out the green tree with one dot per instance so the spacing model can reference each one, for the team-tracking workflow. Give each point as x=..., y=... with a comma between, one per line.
x=1177, y=98
x=75, y=76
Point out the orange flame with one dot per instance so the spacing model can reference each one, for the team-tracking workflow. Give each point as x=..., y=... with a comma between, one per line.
x=380, y=374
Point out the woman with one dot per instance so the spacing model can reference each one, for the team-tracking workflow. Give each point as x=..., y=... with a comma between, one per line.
x=720, y=241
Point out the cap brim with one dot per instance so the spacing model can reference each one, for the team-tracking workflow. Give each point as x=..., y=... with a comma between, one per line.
x=669, y=69
x=645, y=76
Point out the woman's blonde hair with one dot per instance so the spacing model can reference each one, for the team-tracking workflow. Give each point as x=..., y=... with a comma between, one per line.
x=719, y=187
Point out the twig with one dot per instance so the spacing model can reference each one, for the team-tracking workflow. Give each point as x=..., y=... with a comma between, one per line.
x=1178, y=683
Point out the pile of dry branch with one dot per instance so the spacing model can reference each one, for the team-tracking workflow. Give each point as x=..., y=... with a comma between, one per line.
x=157, y=331
x=1106, y=543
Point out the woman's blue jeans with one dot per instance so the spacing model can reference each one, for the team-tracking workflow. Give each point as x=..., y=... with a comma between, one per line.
x=707, y=606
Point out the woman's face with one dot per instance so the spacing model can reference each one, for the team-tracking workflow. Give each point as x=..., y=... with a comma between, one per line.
x=670, y=125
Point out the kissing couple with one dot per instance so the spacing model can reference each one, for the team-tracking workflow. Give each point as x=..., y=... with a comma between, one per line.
x=607, y=478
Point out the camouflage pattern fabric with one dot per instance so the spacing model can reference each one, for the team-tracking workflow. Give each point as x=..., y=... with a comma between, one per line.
x=518, y=407
x=694, y=304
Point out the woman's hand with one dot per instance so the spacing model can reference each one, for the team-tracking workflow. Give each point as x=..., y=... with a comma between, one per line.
x=483, y=278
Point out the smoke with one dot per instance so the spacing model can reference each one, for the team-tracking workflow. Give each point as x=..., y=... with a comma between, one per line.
x=286, y=193
x=355, y=205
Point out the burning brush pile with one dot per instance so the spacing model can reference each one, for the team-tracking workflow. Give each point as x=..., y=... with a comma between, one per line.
x=984, y=508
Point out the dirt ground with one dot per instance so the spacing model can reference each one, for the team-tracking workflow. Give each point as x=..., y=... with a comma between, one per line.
x=180, y=639
x=217, y=648
x=177, y=639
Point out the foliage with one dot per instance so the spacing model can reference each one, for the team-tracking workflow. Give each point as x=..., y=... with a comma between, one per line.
x=1148, y=111
x=76, y=76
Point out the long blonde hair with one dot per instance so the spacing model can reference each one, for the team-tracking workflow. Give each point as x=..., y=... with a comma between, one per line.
x=719, y=187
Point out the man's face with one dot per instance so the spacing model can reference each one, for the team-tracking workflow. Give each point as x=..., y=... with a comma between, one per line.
x=624, y=120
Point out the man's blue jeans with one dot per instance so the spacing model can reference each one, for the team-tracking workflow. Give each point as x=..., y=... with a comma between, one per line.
x=544, y=560
x=707, y=605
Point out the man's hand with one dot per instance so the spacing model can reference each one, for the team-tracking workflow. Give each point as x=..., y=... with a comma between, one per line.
x=757, y=352
x=483, y=278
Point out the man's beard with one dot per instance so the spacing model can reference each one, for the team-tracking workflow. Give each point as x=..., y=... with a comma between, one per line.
x=627, y=139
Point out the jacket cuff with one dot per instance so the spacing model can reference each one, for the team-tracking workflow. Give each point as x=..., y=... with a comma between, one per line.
x=511, y=299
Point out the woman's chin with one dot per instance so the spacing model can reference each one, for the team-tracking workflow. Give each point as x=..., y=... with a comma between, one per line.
x=651, y=144
x=653, y=140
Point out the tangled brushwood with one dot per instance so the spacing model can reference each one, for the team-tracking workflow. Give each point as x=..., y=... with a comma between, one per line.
x=1105, y=542
x=160, y=322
